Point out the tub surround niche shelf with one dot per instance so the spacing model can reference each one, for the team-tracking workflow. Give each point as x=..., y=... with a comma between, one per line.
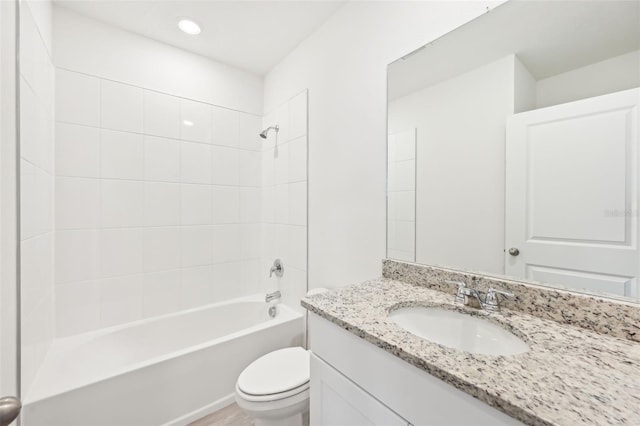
x=612, y=317
x=570, y=375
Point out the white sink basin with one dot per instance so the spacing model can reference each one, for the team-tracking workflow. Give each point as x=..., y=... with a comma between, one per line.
x=459, y=331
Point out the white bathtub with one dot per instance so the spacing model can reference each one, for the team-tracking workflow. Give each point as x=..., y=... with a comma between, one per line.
x=165, y=370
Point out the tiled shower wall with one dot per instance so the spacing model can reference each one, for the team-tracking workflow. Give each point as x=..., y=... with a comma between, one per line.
x=36, y=187
x=284, y=200
x=157, y=203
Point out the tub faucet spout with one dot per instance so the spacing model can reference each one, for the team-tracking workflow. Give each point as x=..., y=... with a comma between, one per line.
x=270, y=297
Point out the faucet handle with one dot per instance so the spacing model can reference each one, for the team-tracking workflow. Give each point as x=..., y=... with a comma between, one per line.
x=461, y=296
x=491, y=300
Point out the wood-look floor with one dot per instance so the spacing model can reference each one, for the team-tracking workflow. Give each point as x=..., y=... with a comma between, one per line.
x=231, y=415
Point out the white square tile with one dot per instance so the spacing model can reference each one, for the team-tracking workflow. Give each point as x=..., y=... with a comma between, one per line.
x=250, y=240
x=77, y=98
x=298, y=203
x=281, y=164
x=250, y=168
x=29, y=200
x=161, y=204
x=76, y=256
x=227, y=279
x=298, y=159
x=249, y=132
x=197, y=286
x=252, y=273
x=268, y=204
x=282, y=118
x=298, y=247
x=298, y=116
x=77, y=307
x=196, y=204
x=29, y=114
x=225, y=165
x=161, y=293
x=122, y=203
x=250, y=201
x=121, y=107
x=268, y=244
x=120, y=300
x=77, y=203
x=160, y=249
x=44, y=202
x=225, y=127
x=268, y=168
x=122, y=155
x=36, y=270
x=120, y=252
x=161, y=115
x=195, y=121
x=226, y=204
x=195, y=159
x=161, y=159
x=281, y=195
x=197, y=246
x=227, y=246
x=77, y=150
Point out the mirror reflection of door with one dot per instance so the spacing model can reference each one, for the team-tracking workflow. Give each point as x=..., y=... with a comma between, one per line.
x=571, y=194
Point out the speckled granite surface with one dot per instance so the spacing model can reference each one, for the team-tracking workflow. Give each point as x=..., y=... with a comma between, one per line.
x=571, y=376
x=605, y=316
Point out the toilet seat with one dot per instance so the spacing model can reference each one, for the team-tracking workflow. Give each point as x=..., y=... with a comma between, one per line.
x=277, y=375
x=274, y=396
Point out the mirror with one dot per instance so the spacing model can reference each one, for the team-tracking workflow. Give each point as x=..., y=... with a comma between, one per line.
x=513, y=147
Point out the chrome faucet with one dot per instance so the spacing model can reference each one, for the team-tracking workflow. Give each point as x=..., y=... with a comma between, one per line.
x=277, y=268
x=490, y=303
x=270, y=297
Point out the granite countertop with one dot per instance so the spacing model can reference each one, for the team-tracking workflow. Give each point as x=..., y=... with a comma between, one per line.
x=570, y=376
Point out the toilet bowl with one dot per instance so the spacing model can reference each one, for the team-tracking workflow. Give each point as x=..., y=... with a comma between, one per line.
x=274, y=389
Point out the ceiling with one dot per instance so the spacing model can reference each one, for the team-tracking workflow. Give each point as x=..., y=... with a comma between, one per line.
x=251, y=35
x=549, y=38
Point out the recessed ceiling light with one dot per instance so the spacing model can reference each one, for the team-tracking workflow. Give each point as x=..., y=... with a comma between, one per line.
x=188, y=26
x=187, y=122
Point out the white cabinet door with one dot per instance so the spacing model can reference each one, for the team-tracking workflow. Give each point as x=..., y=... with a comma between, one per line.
x=337, y=401
x=572, y=194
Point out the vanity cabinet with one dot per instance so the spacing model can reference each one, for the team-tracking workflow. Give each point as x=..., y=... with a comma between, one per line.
x=337, y=401
x=354, y=382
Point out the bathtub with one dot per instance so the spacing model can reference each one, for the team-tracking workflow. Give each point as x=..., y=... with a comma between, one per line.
x=166, y=370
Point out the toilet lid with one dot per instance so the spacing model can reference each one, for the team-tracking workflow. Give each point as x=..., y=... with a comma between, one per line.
x=276, y=372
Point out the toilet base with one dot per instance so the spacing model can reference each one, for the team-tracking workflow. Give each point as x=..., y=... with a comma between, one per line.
x=295, y=420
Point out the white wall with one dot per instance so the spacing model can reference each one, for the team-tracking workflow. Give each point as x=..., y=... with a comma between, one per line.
x=36, y=179
x=460, y=165
x=611, y=75
x=158, y=194
x=86, y=45
x=343, y=64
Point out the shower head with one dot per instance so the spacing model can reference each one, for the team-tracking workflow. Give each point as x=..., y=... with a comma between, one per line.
x=264, y=133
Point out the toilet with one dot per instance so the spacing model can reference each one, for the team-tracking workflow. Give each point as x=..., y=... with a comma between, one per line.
x=274, y=389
